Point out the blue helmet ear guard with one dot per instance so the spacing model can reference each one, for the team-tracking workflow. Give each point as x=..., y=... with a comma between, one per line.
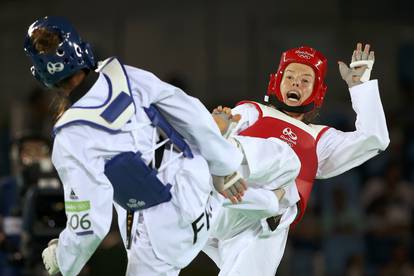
x=71, y=55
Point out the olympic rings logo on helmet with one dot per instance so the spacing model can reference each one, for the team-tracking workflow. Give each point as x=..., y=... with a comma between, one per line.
x=304, y=54
x=55, y=67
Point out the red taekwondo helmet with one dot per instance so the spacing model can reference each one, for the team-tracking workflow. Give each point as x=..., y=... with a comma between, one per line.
x=305, y=55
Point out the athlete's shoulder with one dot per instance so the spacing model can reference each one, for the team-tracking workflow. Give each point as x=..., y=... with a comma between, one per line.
x=245, y=107
x=78, y=132
x=319, y=127
x=248, y=106
x=115, y=108
x=320, y=130
x=248, y=103
x=135, y=74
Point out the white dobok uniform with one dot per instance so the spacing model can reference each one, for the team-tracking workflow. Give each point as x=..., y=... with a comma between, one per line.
x=163, y=236
x=240, y=247
x=166, y=237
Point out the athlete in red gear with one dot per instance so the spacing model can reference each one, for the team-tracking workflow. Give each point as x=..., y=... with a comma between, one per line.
x=295, y=92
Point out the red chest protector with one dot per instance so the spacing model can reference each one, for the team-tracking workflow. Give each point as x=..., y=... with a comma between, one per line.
x=301, y=137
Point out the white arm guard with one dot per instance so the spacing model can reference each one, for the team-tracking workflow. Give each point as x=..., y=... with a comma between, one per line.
x=231, y=179
x=232, y=126
x=367, y=73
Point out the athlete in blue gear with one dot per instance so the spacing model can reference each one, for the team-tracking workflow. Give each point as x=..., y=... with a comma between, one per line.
x=104, y=150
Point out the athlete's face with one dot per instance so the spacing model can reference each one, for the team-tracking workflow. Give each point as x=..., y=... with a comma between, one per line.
x=297, y=83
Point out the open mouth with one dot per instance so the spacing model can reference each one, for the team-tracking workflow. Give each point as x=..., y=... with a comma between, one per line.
x=293, y=96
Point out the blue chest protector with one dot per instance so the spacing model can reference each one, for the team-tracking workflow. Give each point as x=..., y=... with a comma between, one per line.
x=136, y=185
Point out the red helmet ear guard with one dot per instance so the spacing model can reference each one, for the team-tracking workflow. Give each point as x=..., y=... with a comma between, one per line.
x=305, y=55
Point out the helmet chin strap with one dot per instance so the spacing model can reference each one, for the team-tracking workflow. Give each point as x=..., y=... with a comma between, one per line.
x=296, y=109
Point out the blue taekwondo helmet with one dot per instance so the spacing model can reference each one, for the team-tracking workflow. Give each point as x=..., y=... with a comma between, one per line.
x=72, y=53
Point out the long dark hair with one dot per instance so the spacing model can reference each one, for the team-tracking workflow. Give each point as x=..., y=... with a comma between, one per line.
x=60, y=103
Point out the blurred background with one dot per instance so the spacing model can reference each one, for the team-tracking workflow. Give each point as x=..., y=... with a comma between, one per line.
x=360, y=223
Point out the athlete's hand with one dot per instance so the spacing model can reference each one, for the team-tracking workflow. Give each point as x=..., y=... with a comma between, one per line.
x=231, y=186
x=359, y=70
x=224, y=119
x=49, y=257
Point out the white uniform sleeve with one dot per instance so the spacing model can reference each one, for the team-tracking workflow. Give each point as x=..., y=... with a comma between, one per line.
x=191, y=119
x=341, y=151
x=88, y=198
x=249, y=115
